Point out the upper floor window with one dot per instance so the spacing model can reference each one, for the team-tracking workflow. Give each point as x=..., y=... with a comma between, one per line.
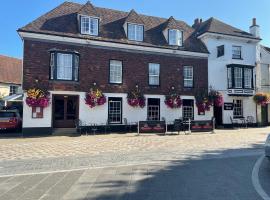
x=13, y=89
x=89, y=25
x=115, y=71
x=240, y=77
x=236, y=52
x=135, y=32
x=175, y=37
x=154, y=71
x=64, y=66
x=188, y=76
x=220, y=51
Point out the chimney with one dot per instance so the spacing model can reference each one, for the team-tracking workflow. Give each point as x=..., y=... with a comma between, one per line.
x=254, y=29
x=197, y=23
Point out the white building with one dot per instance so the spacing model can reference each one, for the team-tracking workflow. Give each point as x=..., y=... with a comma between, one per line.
x=231, y=67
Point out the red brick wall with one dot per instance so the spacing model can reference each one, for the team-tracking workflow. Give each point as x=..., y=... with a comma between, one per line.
x=94, y=67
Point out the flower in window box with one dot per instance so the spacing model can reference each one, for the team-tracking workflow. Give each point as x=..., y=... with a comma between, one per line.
x=136, y=98
x=37, y=97
x=173, y=101
x=95, y=98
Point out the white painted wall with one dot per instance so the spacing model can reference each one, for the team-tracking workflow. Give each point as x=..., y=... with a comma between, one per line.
x=217, y=69
x=99, y=114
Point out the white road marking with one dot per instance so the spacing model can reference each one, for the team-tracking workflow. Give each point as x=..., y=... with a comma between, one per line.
x=256, y=181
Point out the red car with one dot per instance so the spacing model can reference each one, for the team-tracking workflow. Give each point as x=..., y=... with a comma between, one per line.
x=10, y=120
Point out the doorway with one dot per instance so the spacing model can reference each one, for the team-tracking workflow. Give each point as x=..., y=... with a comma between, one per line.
x=218, y=115
x=65, y=111
x=264, y=115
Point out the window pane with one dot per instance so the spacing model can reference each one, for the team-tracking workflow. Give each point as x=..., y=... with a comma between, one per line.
x=115, y=71
x=85, y=21
x=188, y=109
x=153, y=109
x=188, y=76
x=115, y=110
x=238, y=108
x=154, y=71
x=248, y=77
x=172, y=37
x=131, y=31
x=229, y=77
x=238, y=77
x=236, y=52
x=52, y=65
x=89, y=25
x=135, y=32
x=64, y=66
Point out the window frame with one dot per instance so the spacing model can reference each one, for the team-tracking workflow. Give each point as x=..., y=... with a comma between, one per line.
x=135, y=30
x=118, y=83
x=243, y=80
x=220, y=50
x=115, y=99
x=152, y=105
x=241, y=109
x=156, y=64
x=185, y=79
x=180, y=42
x=191, y=101
x=54, y=67
x=89, y=28
x=14, y=91
x=239, y=57
x=240, y=78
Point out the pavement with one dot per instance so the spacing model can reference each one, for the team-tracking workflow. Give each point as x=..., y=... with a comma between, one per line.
x=186, y=167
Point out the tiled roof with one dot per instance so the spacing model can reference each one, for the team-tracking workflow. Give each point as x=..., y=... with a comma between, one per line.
x=10, y=70
x=133, y=17
x=266, y=48
x=88, y=9
x=62, y=21
x=213, y=25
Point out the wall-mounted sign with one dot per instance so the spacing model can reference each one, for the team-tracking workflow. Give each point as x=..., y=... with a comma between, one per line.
x=228, y=106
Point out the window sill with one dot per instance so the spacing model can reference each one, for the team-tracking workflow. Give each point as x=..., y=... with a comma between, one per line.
x=237, y=58
x=64, y=81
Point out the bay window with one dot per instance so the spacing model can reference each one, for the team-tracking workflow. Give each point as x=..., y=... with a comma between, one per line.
x=240, y=76
x=248, y=77
x=175, y=37
x=154, y=71
x=135, y=32
x=64, y=66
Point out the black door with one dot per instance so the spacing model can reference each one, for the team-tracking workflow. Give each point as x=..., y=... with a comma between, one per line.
x=218, y=115
x=65, y=111
x=264, y=115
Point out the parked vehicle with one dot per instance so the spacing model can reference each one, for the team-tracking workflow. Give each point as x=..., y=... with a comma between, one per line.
x=267, y=147
x=10, y=120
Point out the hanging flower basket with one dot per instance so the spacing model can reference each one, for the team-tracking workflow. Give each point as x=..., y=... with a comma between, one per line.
x=136, y=98
x=95, y=98
x=37, y=98
x=216, y=97
x=173, y=101
x=261, y=99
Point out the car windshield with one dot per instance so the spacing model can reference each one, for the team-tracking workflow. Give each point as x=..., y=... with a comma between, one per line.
x=7, y=114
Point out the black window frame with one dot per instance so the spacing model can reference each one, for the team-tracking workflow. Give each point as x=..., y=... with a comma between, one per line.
x=220, y=51
x=243, y=77
x=54, y=73
x=242, y=108
x=158, y=104
x=240, y=56
x=190, y=103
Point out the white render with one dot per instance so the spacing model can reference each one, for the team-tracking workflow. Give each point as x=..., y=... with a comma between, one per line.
x=99, y=114
x=217, y=68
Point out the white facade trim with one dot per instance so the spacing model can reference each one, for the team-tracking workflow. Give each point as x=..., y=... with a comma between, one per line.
x=230, y=37
x=38, y=36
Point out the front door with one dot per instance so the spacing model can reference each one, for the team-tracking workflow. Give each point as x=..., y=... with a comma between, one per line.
x=264, y=115
x=65, y=111
x=218, y=115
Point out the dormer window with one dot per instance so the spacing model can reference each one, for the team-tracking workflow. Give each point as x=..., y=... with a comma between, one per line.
x=89, y=25
x=135, y=32
x=175, y=37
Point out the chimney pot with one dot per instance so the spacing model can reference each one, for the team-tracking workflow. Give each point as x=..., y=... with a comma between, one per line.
x=254, y=22
x=200, y=20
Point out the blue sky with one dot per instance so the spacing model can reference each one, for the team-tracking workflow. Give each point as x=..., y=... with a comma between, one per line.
x=17, y=13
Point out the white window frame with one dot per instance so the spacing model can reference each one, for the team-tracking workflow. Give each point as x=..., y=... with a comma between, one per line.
x=175, y=37
x=93, y=25
x=154, y=78
x=135, y=32
x=247, y=78
x=116, y=68
x=238, y=108
x=114, y=112
x=238, y=77
x=188, y=76
x=236, y=52
x=64, y=67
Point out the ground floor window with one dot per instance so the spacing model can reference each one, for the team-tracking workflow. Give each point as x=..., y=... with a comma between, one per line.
x=188, y=109
x=238, y=108
x=153, y=109
x=115, y=110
